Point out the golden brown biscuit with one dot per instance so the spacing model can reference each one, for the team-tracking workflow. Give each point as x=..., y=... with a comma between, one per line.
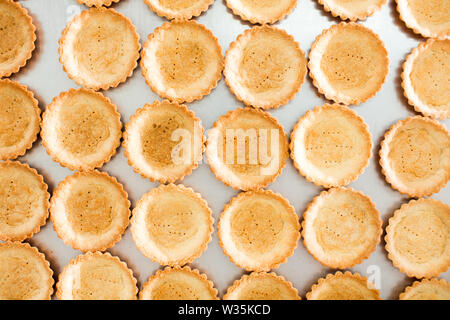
x=182, y=61
x=96, y=276
x=17, y=34
x=24, y=201
x=258, y=230
x=348, y=63
x=343, y=286
x=97, y=3
x=265, y=67
x=24, y=273
x=430, y=18
x=247, y=149
x=261, y=286
x=352, y=9
x=81, y=129
x=172, y=225
x=425, y=78
x=416, y=238
x=90, y=211
x=262, y=11
x=99, y=48
x=427, y=289
x=415, y=156
x=331, y=145
x=179, y=9
x=19, y=119
x=164, y=141
x=341, y=228
x=178, y=284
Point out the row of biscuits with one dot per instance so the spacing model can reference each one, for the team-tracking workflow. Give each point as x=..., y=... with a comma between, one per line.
x=265, y=67
x=258, y=230
x=164, y=141
x=94, y=276
x=425, y=18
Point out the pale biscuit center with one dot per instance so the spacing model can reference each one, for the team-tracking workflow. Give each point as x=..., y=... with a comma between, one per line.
x=260, y=289
x=182, y=61
x=169, y=224
x=102, y=47
x=342, y=228
x=83, y=129
x=157, y=142
x=174, y=290
x=256, y=227
x=19, y=278
x=421, y=237
x=352, y=62
x=265, y=65
x=99, y=279
x=344, y=289
x=431, y=11
x=18, y=200
x=329, y=143
x=417, y=155
x=89, y=209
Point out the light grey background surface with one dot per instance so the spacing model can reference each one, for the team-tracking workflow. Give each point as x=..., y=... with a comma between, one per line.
x=45, y=77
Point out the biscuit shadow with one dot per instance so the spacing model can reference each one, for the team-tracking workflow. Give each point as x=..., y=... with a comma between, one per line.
x=399, y=88
x=399, y=23
x=50, y=256
x=326, y=14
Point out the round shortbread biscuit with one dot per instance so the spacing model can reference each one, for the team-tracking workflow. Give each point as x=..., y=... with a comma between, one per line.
x=178, y=284
x=343, y=286
x=261, y=286
x=416, y=238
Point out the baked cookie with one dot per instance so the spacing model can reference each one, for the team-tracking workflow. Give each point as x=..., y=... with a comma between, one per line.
x=416, y=238
x=258, y=230
x=427, y=289
x=97, y=3
x=164, y=141
x=24, y=273
x=19, y=119
x=430, y=18
x=425, y=78
x=179, y=9
x=178, y=284
x=341, y=228
x=415, y=156
x=182, y=61
x=331, y=145
x=352, y=9
x=172, y=225
x=262, y=11
x=348, y=63
x=18, y=35
x=265, y=67
x=247, y=149
x=343, y=286
x=90, y=211
x=261, y=286
x=96, y=276
x=81, y=129
x=24, y=201
x=99, y=48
